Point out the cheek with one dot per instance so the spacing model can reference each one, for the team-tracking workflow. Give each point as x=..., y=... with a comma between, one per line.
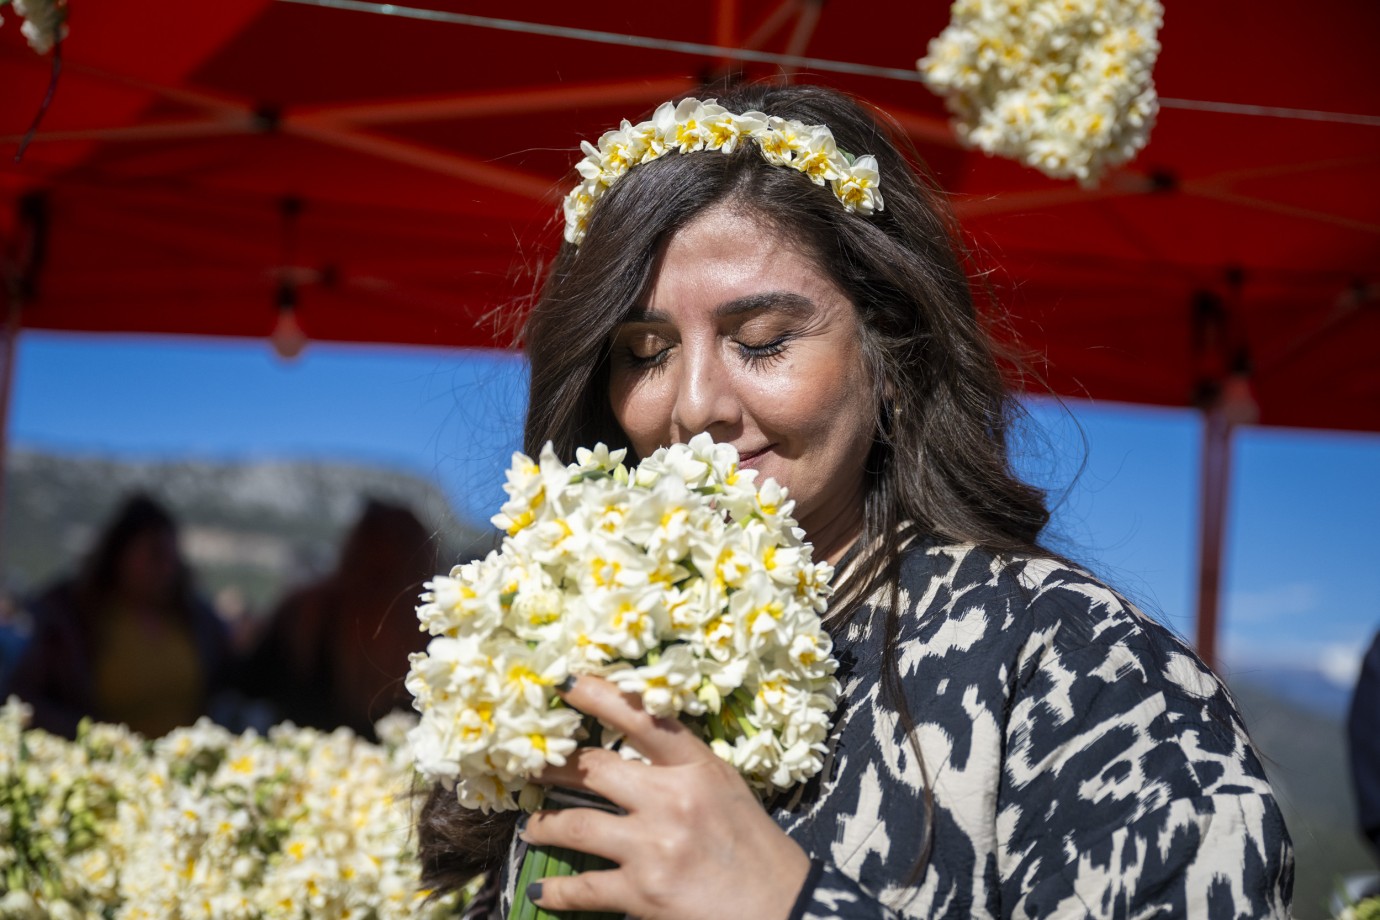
x=818, y=404
x=641, y=410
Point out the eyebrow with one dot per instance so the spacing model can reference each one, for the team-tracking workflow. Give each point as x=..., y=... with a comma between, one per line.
x=784, y=301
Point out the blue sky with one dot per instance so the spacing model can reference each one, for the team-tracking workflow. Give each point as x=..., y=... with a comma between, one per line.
x=1302, y=583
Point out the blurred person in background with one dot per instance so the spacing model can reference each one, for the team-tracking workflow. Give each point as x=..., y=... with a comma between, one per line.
x=1363, y=743
x=1363, y=730
x=127, y=640
x=335, y=652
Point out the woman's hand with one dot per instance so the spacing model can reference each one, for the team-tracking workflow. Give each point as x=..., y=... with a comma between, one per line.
x=694, y=843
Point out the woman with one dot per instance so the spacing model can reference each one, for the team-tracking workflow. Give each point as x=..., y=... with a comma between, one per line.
x=128, y=640
x=1014, y=739
x=335, y=651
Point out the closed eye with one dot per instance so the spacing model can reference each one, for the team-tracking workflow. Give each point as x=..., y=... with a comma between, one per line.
x=643, y=352
x=764, y=353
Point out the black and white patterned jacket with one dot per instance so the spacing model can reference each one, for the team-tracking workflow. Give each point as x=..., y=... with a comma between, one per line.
x=1083, y=762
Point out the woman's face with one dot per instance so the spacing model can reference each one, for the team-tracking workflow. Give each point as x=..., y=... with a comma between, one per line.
x=743, y=337
x=148, y=567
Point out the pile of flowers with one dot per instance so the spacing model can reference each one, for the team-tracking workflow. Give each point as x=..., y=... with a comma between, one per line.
x=206, y=823
x=45, y=21
x=679, y=580
x=1061, y=85
x=692, y=125
x=1367, y=909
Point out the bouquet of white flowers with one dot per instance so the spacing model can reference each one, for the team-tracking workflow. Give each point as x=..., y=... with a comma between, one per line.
x=679, y=580
x=1061, y=85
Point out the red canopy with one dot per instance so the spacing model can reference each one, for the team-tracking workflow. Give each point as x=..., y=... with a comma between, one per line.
x=429, y=156
x=424, y=161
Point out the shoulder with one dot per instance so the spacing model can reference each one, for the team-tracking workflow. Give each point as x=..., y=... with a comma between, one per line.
x=56, y=609
x=1099, y=691
x=1068, y=667
x=1040, y=608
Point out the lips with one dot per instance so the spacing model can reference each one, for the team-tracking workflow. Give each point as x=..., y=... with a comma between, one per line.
x=747, y=459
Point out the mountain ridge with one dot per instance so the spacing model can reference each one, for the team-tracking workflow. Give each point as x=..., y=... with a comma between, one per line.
x=258, y=527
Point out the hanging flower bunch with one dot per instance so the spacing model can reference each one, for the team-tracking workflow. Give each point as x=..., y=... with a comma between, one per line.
x=678, y=580
x=1061, y=85
x=206, y=823
x=45, y=21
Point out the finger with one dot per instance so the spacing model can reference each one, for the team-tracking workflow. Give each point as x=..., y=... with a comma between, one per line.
x=663, y=741
x=598, y=890
x=601, y=772
x=588, y=830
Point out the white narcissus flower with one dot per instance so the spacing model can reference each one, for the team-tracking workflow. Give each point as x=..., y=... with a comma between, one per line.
x=727, y=130
x=600, y=458
x=669, y=685
x=691, y=463
x=858, y=187
x=782, y=140
x=536, y=610
x=820, y=158
x=526, y=488
x=618, y=151
x=692, y=130
x=576, y=207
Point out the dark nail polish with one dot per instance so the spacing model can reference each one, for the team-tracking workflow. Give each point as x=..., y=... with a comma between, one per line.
x=534, y=892
x=522, y=822
x=565, y=685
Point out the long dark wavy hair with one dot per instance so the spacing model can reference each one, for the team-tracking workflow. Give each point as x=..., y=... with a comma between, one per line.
x=940, y=464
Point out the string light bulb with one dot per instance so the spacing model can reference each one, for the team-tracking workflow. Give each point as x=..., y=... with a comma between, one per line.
x=288, y=338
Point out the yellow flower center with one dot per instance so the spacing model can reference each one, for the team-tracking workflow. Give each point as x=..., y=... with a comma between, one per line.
x=629, y=617
x=521, y=522
x=773, y=610
x=604, y=572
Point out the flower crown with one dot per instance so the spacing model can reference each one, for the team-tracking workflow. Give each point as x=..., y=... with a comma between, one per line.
x=694, y=125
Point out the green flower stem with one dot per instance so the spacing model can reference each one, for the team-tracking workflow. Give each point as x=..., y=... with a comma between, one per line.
x=541, y=862
x=524, y=909
x=541, y=868
x=738, y=711
x=715, y=722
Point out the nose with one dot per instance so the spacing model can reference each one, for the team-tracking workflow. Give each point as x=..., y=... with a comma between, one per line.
x=705, y=398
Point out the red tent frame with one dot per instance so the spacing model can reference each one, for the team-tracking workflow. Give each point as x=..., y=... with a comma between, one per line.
x=1234, y=266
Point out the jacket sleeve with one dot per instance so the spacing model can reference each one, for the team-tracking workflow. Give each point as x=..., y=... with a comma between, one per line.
x=828, y=894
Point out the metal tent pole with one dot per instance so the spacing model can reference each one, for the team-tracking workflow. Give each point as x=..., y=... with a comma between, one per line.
x=9, y=332
x=1216, y=480
x=20, y=263
x=1224, y=394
